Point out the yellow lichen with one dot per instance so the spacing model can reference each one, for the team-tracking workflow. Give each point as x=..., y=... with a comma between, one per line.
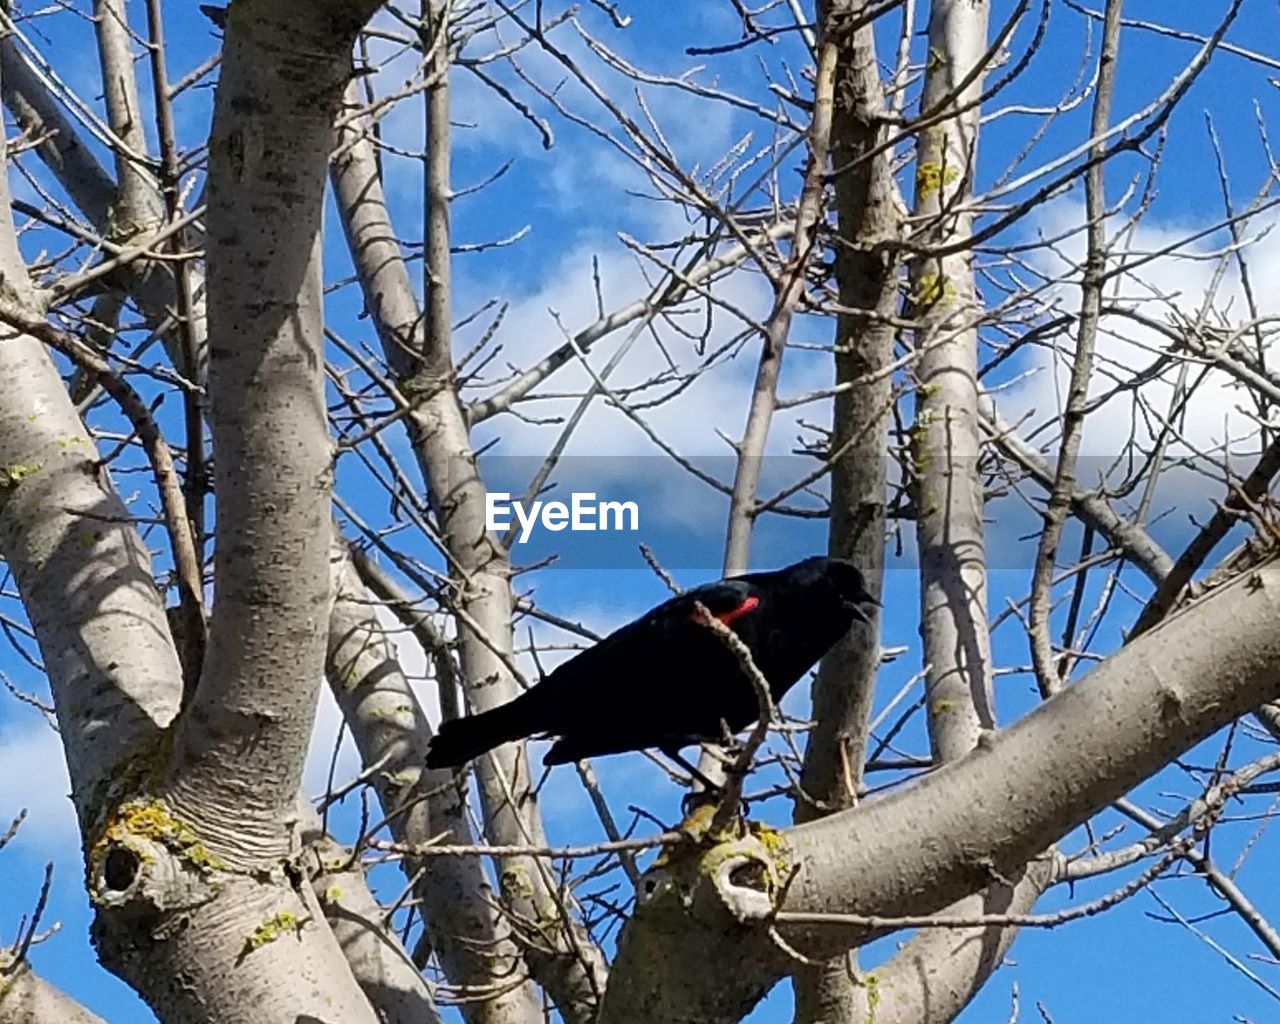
x=775, y=845
x=933, y=290
x=931, y=176
x=697, y=826
x=351, y=677
x=150, y=820
x=871, y=983
x=770, y=838
x=918, y=436
x=697, y=822
x=273, y=927
x=515, y=883
x=12, y=475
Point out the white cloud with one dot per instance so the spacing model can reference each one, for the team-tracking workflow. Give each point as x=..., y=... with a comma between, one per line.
x=713, y=405
x=33, y=776
x=1167, y=286
x=576, y=196
x=1120, y=435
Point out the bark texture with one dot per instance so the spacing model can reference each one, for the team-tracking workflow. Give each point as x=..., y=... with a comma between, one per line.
x=195, y=875
x=25, y=998
x=380, y=964
x=867, y=217
x=239, y=753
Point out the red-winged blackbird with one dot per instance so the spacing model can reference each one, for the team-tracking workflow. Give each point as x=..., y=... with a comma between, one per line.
x=666, y=680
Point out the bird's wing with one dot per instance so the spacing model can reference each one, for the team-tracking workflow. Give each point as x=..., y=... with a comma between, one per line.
x=638, y=642
x=728, y=600
x=656, y=680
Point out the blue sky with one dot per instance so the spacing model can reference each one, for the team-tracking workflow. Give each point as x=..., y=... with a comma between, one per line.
x=576, y=198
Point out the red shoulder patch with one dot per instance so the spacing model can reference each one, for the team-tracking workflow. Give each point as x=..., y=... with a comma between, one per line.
x=733, y=614
x=750, y=604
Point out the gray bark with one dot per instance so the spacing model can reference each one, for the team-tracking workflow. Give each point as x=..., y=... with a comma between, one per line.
x=26, y=998
x=939, y=971
x=867, y=279
x=1050, y=675
x=867, y=276
x=82, y=570
x=238, y=755
x=195, y=903
x=136, y=207
x=945, y=437
x=154, y=288
x=381, y=966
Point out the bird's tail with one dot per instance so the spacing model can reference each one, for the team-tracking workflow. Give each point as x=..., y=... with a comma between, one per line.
x=461, y=739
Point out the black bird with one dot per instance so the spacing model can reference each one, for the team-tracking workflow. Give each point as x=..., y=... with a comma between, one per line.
x=666, y=681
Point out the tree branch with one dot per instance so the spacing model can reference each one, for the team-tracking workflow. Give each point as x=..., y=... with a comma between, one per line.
x=790, y=286
x=28, y=999
x=867, y=278
x=238, y=754
x=83, y=571
x=72, y=164
x=390, y=729
x=381, y=965
x=570, y=966
x=1095, y=267
x=1093, y=509
x=945, y=437
x=136, y=207
x=1072, y=756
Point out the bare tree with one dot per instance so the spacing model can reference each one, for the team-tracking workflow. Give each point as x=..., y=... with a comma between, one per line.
x=244, y=458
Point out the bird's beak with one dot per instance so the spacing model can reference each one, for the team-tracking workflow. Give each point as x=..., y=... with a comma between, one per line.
x=859, y=614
